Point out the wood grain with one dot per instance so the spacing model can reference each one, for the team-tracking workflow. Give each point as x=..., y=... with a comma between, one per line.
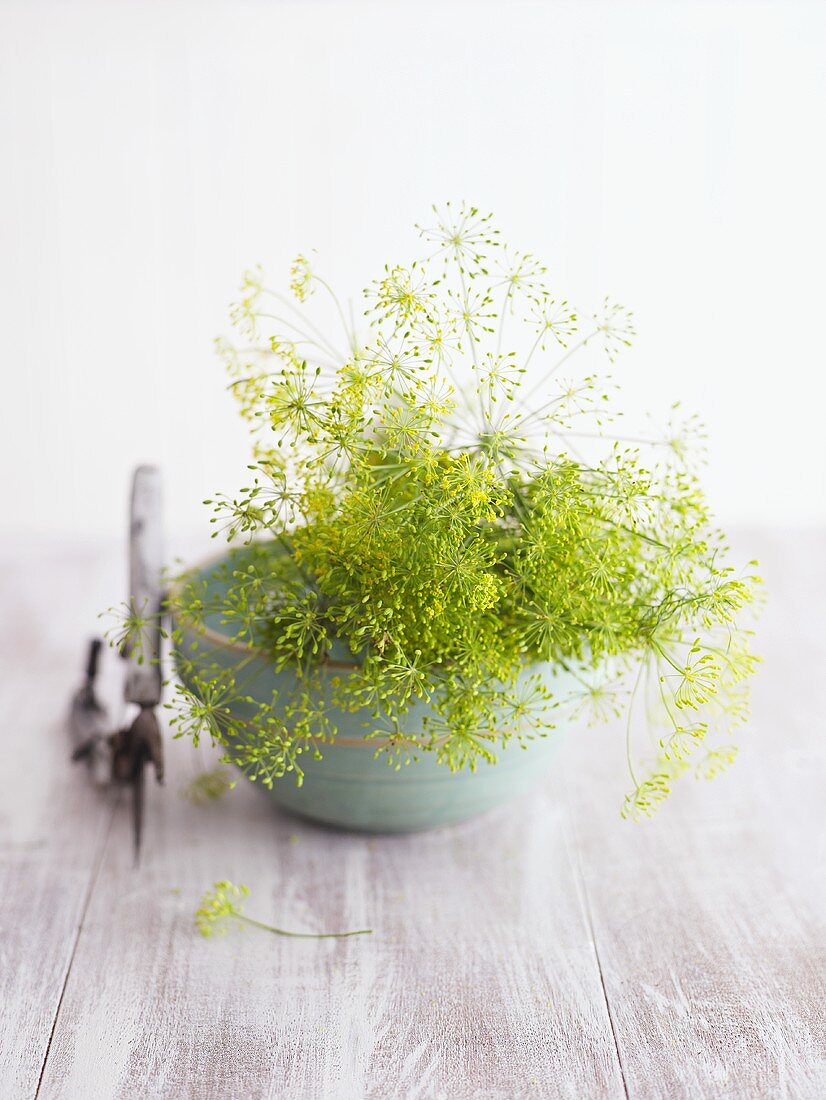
x=548, y=949
x=487, y=982
x=709, y=923
x=52, y=826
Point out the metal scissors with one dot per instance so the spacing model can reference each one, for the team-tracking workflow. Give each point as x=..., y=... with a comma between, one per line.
x=121, y=757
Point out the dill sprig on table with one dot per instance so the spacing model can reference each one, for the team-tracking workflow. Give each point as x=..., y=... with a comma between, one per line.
x=223, y=906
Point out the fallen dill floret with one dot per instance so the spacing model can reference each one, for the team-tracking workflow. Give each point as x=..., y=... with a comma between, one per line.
x=209, y=786
x=224, y=904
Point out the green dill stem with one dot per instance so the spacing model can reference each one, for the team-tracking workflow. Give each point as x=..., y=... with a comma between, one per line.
x=525, y=398
x=305, y=320
x=502, y=322
x=666, y=704
x=302, y=935
x=628, y=755
x=471, y=337
x=663, y=654
x=326, y=347
x=572, y=672
x=351, y=336
x=534, y=346
x=308, y=580
x=638, y=534
x=644, y=440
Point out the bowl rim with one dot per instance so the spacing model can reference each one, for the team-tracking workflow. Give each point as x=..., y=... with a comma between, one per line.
x=217, y=637
x=224, y=641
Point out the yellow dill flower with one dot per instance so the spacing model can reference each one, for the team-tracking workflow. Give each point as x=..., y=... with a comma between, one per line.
x=301, y=278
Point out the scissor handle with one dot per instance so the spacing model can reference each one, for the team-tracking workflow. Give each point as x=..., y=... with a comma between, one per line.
x=143, y=677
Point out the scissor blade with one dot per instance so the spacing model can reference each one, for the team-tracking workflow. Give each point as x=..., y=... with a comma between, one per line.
x=135, y=747
x=137, y=810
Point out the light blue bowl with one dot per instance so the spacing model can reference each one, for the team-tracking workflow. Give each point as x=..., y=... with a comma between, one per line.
x=351, y=787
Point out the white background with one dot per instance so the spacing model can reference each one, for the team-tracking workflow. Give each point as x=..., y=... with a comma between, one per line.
x=670, y=154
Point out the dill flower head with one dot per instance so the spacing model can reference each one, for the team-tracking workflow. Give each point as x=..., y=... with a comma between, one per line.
x=209, y=786
x=218, y=907
x=301, y=278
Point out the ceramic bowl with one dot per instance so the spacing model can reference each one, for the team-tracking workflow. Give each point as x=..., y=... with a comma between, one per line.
x=352, y=787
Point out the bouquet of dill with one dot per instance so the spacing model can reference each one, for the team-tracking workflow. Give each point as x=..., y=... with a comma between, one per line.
x=445, y=500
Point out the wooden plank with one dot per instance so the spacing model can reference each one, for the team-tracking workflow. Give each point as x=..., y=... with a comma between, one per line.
x=474, y=983
x=52, y=826
x=482, y=979
x=709, y=922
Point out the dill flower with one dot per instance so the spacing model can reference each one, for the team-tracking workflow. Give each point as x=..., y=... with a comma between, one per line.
x=301, y=278
x=218, y=907
x=209, y=786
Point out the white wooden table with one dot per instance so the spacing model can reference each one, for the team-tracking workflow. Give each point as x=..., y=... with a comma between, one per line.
x=548, y=949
